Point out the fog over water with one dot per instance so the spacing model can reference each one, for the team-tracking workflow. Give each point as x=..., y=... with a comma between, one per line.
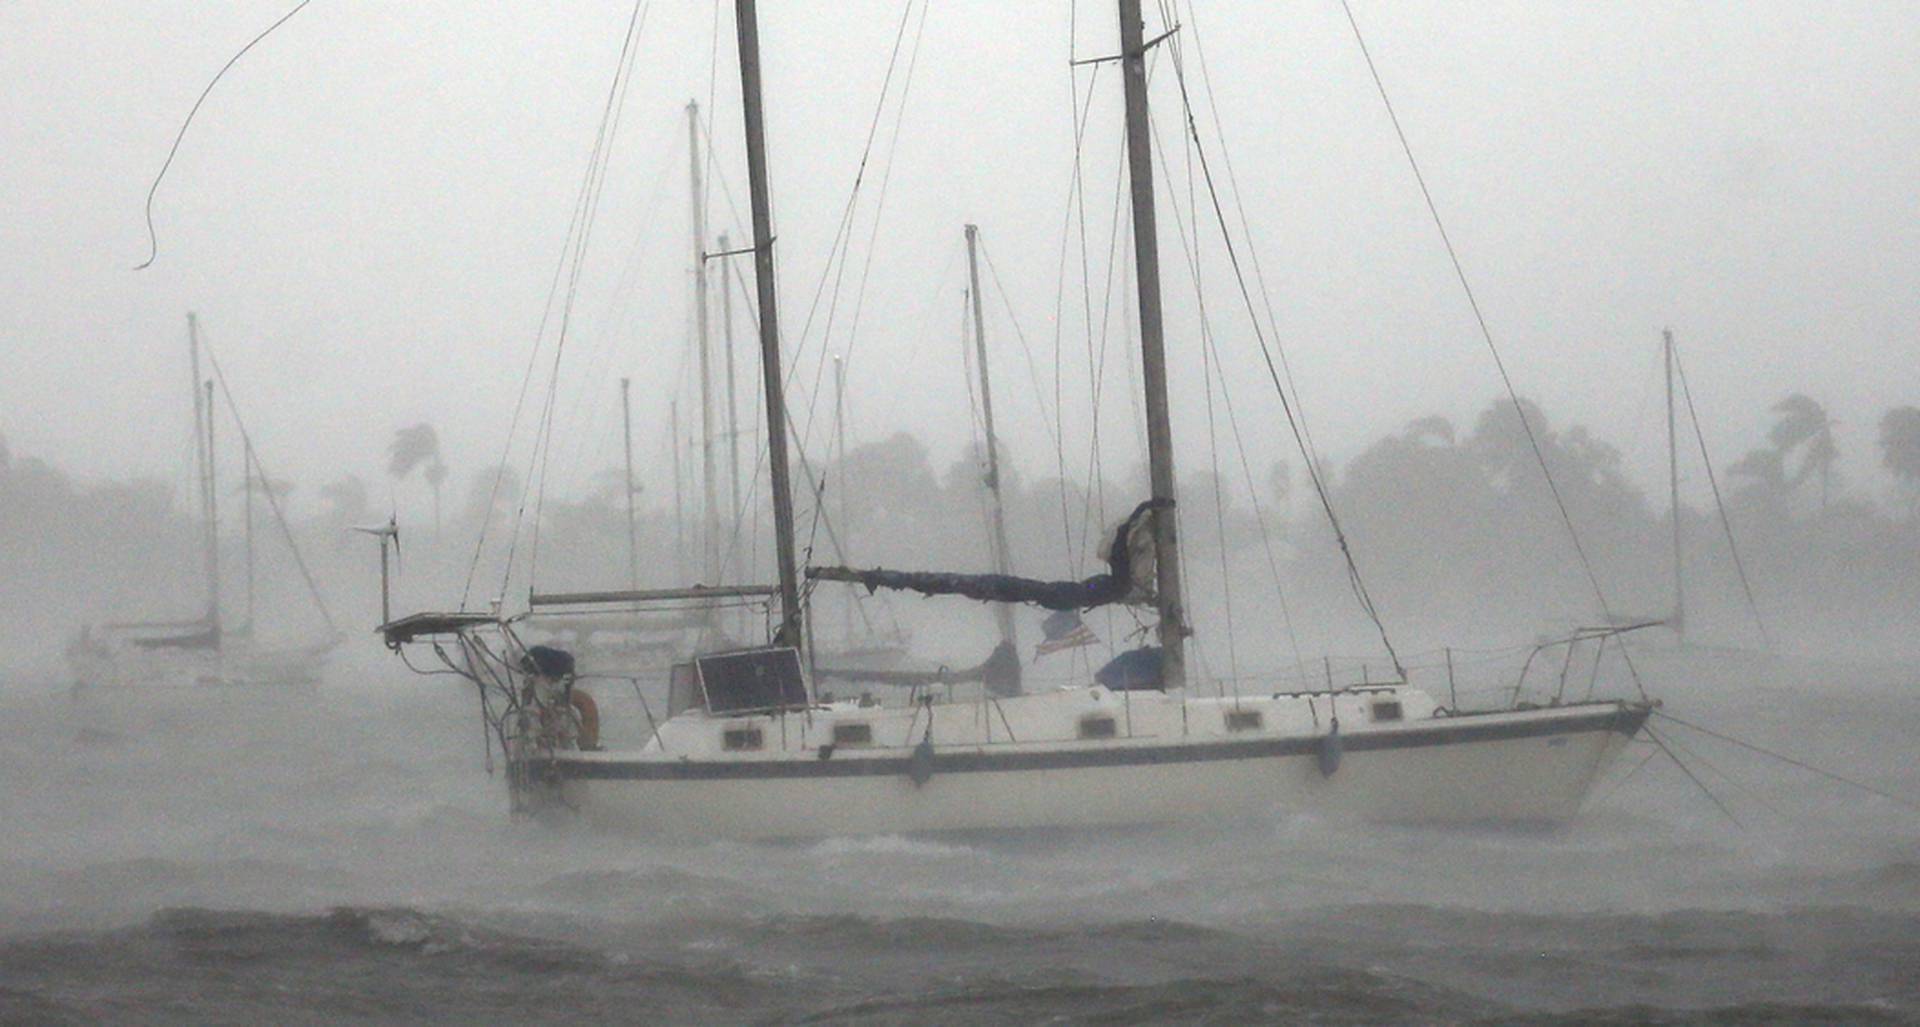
x=368, y=214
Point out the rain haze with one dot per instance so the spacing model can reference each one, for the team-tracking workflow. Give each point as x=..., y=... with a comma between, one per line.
x=1524, y=363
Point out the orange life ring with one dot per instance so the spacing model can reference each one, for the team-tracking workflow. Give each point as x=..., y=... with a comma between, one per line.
x=589, y=712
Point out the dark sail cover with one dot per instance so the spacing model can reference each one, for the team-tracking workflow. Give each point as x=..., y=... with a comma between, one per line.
x=1136, y=670
x=1129, y=557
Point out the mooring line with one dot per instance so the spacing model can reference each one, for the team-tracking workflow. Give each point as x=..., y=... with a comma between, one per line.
x=1790, y=761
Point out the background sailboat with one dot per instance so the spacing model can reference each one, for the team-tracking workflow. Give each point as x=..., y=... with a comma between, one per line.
x=206, y=650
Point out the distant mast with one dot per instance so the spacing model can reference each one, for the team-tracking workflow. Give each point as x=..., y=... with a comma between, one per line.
x=213, y=522
x=246, y=516
x=748, y=31
x=679, y=497
x=1153, y=364
x=1679, y=620
x=840, y=461
x=203, y=467
x=996, y=513
x=626, y=443
x=709, y=505
x=733, y=412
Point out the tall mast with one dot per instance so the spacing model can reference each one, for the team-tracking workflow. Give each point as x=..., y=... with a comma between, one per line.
x=626, y=441
x=213, y=521
x=1153, y=363
x=203, y=473
x=733, y=413
x=1673, y=494
x=246, y=504
x=748, y=30
x=679, y=499
x=1002, y=555
x=710, y=507
x=840, y=461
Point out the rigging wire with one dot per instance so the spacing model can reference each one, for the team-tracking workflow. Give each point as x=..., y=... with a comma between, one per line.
x=1209, y=368
x=1719, y=505
x=1079, y=112
x=153, y=239
x=1190, y=250
x=1246, y=470
x=860, y=292
x=879, y=211
x=975, y=418
x=533, y=355
x=1486, y=332
x=1694, y=755
x=1095, y=500
x=590, y=207
x=273, y=501
x=1052, y=427
x=1093, y=513
x=1790, y=761
x=1695, y=778
x=1355, y=582
x=1192, y=23
x=586, y=414
x=834, y=268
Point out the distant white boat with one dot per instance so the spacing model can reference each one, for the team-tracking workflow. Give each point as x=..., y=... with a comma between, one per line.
x=145, y=656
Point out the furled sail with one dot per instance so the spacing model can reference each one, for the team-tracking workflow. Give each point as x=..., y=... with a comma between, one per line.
x=1129, y=579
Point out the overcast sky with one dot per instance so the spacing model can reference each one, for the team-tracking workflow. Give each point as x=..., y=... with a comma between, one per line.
x=369, y=210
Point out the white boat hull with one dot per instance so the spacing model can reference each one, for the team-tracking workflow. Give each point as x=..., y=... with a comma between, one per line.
x=1521, y=768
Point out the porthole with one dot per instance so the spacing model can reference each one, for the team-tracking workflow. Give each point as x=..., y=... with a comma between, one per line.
x=852, y=734
x=1244, y=720
x=741, y=739
x=1387, y=710
x=1097, y=727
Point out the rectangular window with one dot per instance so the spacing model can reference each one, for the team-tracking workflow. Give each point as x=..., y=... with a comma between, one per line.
x=739, y=739
x=1097, y=727
x=852, y=734
x=1243, y=720
x=1387, y=710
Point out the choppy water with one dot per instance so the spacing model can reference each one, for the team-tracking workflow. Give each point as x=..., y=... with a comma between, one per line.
x=341, y=855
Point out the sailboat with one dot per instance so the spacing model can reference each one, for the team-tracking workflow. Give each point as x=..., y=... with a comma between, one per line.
x=746, y=749
x=204, y=650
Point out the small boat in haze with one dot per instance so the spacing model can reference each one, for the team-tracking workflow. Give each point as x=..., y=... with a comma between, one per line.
x=205, y=651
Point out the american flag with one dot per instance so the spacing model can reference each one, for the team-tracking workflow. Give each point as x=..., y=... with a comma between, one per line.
x=1063, y=630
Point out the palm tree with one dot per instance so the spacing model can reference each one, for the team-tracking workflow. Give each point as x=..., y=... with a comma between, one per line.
x=419, y=447
x=491, y=492
x=1766, y=468
x=346, y=500
x=1804, y=424
x=1900, y=452
x=1280, y=487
